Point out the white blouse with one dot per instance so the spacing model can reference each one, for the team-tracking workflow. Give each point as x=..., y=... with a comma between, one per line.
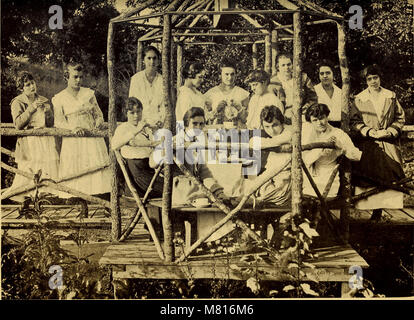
x=334, y=103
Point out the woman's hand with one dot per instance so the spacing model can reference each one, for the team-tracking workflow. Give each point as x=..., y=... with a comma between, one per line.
x=79, y=131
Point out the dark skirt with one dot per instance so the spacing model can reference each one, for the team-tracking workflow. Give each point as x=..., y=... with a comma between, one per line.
x=375, y=168
x=141, y=174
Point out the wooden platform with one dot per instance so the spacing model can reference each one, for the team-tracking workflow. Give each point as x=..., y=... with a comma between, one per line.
x=137, y=258
x=389, y=216
x=63, y=216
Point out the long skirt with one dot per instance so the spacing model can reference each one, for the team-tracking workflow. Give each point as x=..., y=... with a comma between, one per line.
x=34, y=154
x=81, y=154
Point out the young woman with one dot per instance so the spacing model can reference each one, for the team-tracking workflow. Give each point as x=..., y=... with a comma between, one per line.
x=321, y=162
x=127, y=137
x=328, y=93
x=31, y=110
x=76, y=109
x=188, y=95
x=228, y=95
x=147, y=87
x=259, y=81
x=378, y=119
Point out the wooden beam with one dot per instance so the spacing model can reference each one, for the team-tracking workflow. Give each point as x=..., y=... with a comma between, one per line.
x=140, y=49
x=197, y=18
x=179, y=65
x=115, y=211
x=268, y=54
x=172, y=6
x=168, y=174
x=345, y=168
x=254, y=55
x=217, y=34
x=296, y=171
x=58, y=132
x=316, y=7
x=274, y=43
x=133, y=11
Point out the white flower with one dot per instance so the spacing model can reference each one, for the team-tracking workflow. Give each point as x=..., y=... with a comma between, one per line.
x=253, y=284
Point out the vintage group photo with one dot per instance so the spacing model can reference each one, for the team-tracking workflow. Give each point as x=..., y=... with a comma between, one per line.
x=207, y=149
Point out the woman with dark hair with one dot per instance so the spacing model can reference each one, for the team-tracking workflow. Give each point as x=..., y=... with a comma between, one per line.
x=321, y=162
x=378, y=119
x=188, y=95
x=31, y=110
x=76, y=109
x=258, y=81
x=328, y=93
x=147, y=87
x=130, y=138
x=228, y=101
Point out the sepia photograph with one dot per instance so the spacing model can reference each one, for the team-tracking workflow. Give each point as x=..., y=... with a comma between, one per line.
x=197, y=151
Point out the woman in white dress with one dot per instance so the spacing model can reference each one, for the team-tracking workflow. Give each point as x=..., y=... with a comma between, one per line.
x=188, y=95
x=262, y=96
x=321, y=162
x=228, y=95
x=76, y=109
x=147, y=87
x=329, y=93
x=30, y=110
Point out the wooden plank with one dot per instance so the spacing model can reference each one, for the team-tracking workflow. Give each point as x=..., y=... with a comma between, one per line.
x=409, y=212
x=398, y=216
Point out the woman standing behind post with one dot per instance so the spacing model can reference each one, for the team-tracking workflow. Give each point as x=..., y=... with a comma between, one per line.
x=188, y=95
x=147, y=87
x=76, y=109
x=227, y=94
x=379, y=118
x=328, y=93
x=31, y=110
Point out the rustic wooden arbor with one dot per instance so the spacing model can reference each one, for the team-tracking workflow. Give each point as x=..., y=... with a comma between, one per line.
x=177, y=17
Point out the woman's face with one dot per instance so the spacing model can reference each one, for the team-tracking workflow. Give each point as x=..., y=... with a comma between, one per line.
x=151, y=60
x=75, y=78
x=373, y=81
x=29, y=88
x=319, y=124
x=228, y=76
x=199, y=78
x=326, y=75
x=134, y=116
x=197, y=122
x=285, y=67
x=257, y=87
x=272, y=128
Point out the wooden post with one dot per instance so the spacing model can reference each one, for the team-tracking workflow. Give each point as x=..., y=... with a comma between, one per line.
x=268, y=54
x=140, y=48
x=254, y=55
x=179, y=64
x=115, y=211
x=274, y=50
x=297, y=177
x=167, y=191
x=173, y=68
x=345, y=168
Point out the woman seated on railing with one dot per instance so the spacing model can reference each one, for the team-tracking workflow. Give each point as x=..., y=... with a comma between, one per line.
x=321, y=163
x=378, y=119
x=131, y=137
x=33, y=153
x=184, y=190
x=276, y=190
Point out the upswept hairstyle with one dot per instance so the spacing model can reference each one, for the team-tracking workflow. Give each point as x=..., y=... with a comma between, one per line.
x=258, y=75
x=371, y=70
x=270, y=113
x=227, y=62
x=132, y=103
x=151, y=48
x=74, y=64
x=192, y=113
x=191, y=69
x=317, y=110
x=325, y=63
x=22, y=78
x=283, y=55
